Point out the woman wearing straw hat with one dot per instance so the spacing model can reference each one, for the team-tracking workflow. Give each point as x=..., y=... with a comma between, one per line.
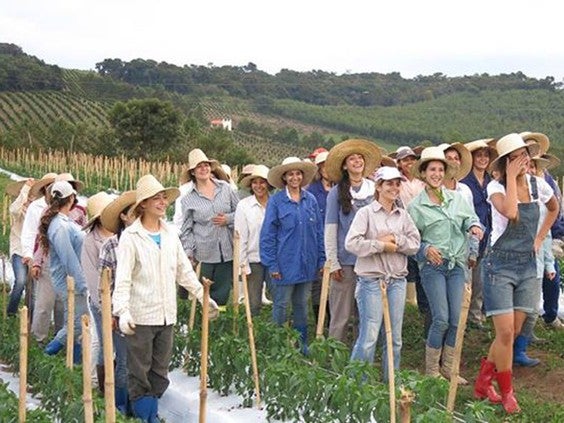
x=115, y=218
x=348, y=165
x=20, y=192
x=61, y=238
x=320, y=188
x=208, y=211
x=95, y=237
x=248, y=222
x=381, y=236
x=461, y=160
x=444, y=218
x=508, y=268
x=291, y=242
x=150, y=261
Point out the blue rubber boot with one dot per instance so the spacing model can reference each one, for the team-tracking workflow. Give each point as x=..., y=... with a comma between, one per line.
x=520, y=357
x=302, y=329
x=77, y=354
x=53, y=347
x=143, y=408
x=121, y=399
x=154, y=411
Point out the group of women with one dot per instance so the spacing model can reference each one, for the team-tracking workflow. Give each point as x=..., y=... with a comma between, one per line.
x=366, y=213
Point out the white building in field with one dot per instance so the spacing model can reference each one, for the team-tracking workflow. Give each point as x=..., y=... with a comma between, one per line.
x=224, y=123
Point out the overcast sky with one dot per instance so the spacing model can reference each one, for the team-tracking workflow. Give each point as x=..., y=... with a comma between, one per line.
x=407, y=36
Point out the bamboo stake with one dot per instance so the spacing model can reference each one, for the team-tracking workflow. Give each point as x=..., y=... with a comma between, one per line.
x=204, y=351
x=5, y=216
x=29, y=295
x=194, y=303
x=251, y=338
x=24, y=339
x=323, y=298
x=4, y=291
x=236, y=269
x=390, y=350
x=70, y=321
x=455, y=371
x=86, y=370
x=108, y=347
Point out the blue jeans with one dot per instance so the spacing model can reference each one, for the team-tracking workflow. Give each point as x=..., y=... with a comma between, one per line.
x=20, y=273
x=80, y=308
x=370, y=311
x=120, y=348
x=444, y=288
x=298, y=294
x=550, y=295
x=97, y=316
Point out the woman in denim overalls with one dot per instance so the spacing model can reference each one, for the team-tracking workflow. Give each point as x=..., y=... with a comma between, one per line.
x=509, y=266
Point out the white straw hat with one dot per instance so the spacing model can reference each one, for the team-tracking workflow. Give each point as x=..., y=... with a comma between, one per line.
x=259, y=171
x=510, y=143
x=541, y=139
x=430, y=154
x=459, y=172
x=148, y=186
x=291, y=163
x=95, y=204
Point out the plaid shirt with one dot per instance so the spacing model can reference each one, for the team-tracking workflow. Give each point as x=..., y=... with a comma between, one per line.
x=108, y=258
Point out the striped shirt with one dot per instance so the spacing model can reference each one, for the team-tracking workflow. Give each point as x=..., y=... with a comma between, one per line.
x=200, y=238
x=248, y=222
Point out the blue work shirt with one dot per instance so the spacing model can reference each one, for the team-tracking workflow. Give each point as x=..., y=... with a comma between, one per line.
x=291, y=238
x=318, y=191
x=481, y=205
x=65, y=244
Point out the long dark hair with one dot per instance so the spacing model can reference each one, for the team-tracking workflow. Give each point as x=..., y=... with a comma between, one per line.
x=121, y=225
x=344, y=190
x=55, y=205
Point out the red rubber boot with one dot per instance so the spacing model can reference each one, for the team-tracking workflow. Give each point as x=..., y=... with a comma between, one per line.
x=504, y=380
x=483, y=387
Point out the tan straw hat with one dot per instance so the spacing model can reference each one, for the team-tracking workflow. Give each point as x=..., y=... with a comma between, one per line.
x=367, y=149
x=37, y=190
x=259, y=171
x=430, y=154
x=291, y=163
x=95, y=204
x=110, y=215
x=541, y=139
x=461, y=171
x=197, y=156
x=553, y=161
x=510, y=143
x=77, y=185
x=148, y=186
x=13, y=188
x=388, y=161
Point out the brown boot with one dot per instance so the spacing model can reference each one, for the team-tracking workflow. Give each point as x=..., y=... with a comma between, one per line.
x=432, y=359
x=101, y=373
x=446, y=368
x=505, y=382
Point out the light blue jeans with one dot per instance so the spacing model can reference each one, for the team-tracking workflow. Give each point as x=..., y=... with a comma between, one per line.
x=444, y=288
x=20, y=274
x=80, y=308
x=370, y=310
x=298, y=295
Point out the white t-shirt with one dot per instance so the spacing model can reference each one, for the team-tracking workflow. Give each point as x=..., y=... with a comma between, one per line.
x=499, y=221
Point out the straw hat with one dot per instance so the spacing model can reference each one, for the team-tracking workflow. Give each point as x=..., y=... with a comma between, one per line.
x=37, y=189
x=429, y=154
x=337, y=155
x=540, y=162
x=259, y=171
x=148, y=186
x=77, y=185
x=479, y=144
x=109, y=218
x=197, y=156
x=291, y=163
x=13, y=189
x=405, y=151
x=95, y=204
x=465, y=160
x=541, y=139
x=388, y=161
x=510, y=143
x=553, y=161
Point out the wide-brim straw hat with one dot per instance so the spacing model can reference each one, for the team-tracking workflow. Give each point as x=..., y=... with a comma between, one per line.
x=367, y=149
x=291, y=163
x=148, y=186
x=430, y=154
x=405, y=151
x=37, y=189
x=197, y=156
x=541, y=139
x=541, y=163
x=110, y=216
x=13, y=189
x=388, y=162
x=77, y=185
x=95, y=204
x=465, y=167
x=510, y=143
x=259, y=171
x=553, y=161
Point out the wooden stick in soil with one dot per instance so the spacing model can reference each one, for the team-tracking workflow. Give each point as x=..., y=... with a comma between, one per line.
x=204, y=350
x=70, y=321
x=194, y=303
x=108, y=346
x=24, y=340
x=236, y=271
x=455, y=371
x=4, y=291
x=87, y=370
x=29, y=295
x=390, y=350
x=251, y=338
x=323, y=298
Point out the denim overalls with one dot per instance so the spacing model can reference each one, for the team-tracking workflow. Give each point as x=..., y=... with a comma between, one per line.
x=509, y=266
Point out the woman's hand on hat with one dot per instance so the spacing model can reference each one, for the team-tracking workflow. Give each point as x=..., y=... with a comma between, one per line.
x=29, y=182
x=220, y=219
